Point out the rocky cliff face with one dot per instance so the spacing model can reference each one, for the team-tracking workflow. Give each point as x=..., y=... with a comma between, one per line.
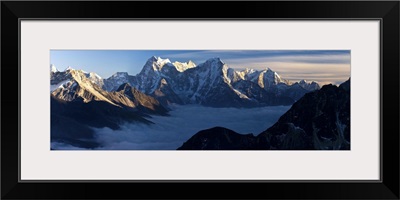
x=319, y=120
x=137, y=99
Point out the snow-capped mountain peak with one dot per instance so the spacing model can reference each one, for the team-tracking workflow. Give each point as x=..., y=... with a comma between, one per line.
x=248, y=71
x=191, y=63
x=120, y=74
x=95, y=78
x=161, y=62
x=181, y=67
x=273, y=76
x=309, y=85
x=94, y=75
x=59, y=78
x=214, y=64
x=271, y=72
x=78, y=84
x=154, y=64
x=158, y=62
x=245, y=74
x=115, y=80
x=68, y=68
x=215, y=60
x=53, y=68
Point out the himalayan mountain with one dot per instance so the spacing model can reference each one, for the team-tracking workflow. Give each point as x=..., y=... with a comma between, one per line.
x=210, y=83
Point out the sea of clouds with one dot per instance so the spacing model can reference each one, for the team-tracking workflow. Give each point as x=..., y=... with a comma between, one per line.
x=170, y=132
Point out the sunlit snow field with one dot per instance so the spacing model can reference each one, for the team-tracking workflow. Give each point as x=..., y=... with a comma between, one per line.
x=170, y=132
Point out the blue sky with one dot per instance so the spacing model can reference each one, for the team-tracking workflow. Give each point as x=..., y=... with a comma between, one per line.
x=324, y=66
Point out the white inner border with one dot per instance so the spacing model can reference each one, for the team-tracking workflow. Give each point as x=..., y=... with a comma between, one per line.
x=39, y=163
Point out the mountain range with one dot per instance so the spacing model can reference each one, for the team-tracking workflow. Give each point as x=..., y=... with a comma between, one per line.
x=210, y=83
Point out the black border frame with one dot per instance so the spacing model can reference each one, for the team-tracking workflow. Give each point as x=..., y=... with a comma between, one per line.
x=183, y=180
x=386, y=11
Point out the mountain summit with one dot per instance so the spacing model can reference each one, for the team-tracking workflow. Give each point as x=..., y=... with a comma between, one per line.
x=53, y=68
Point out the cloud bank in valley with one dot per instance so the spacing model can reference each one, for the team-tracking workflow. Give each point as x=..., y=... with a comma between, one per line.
x=169, y=132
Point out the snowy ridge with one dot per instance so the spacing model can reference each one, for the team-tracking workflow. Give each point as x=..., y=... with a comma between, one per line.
x=59, y=85
x=68, y=69
x=181, y=67
x=88, y=86
x=53, y=68
x=117, y=79
x=309, y=85
x=58, y=78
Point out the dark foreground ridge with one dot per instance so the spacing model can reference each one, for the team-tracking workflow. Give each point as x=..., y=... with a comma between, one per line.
x=72, y=122
x=219, y=138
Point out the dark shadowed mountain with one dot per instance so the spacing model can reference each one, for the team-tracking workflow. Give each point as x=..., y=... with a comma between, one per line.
x=219, y=138
x=319, y=120
x=71, y=122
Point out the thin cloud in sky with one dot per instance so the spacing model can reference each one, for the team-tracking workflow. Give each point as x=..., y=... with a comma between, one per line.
x=251, y=56
x=323, y=66
x=334, y=59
